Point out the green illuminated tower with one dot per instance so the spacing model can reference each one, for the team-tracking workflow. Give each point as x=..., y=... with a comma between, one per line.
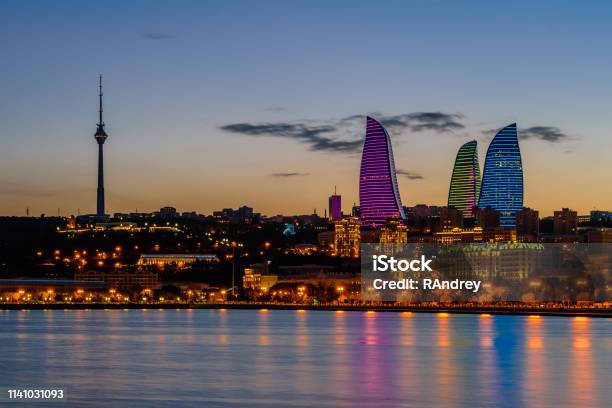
x=465, y=181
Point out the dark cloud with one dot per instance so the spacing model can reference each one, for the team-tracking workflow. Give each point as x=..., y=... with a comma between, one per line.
x=550, y=134
x=547, y=133
x=331, y=135
x=295, y=174
x=438, y=122
x=313, y=135
x=409, y=174
x=156, y=36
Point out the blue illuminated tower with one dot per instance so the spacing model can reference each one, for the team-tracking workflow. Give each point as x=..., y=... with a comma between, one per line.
x=502, y=179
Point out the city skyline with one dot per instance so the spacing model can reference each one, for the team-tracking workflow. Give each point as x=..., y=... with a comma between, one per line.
x=195, y=127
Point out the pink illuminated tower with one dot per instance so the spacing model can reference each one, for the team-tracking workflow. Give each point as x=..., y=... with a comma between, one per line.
x=379, y=196
x=335, y=206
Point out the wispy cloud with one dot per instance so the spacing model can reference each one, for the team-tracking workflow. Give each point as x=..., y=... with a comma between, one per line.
x=332, y=135
x=278, y=109
x=409, y=174
x=156, y=35
x=294, y=174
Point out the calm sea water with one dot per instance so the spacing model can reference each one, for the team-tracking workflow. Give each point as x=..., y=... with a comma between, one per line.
x=250, y=358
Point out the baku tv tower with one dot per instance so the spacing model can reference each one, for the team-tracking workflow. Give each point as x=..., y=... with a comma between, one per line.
x=100, y=138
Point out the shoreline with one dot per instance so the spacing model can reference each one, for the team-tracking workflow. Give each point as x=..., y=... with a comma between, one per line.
x=524, y=311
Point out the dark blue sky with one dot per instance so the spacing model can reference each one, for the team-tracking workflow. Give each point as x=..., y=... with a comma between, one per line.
x=178, y=73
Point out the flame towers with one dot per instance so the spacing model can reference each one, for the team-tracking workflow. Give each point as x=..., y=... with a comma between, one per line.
x=100, y=138
x=502, y=180
x=465, y=181
x=378, y=192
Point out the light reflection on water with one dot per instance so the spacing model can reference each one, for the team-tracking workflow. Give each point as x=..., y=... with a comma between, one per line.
x=252, y=358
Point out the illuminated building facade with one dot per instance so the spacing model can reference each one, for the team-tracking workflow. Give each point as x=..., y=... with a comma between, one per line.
x=476, y=234
x=347, y=237
x=459, y=235
x=502, y=180
x=394, y=232
x=465, y=180
x=379, y=198
x=252, y=276
x=179, y=260
x=256, y=277
x=122, y=280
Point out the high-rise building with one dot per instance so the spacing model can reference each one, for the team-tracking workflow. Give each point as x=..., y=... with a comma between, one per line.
x=565, y=222
x=100, y=138
x=347, y=237
x=465, y=180
x=502, y=180
x=335, y=206
x=449, y=218
x=379, y=198
x=488, y=218
x=527, y=222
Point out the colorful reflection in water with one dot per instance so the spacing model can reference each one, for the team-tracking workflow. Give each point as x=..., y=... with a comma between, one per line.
x=247, y=358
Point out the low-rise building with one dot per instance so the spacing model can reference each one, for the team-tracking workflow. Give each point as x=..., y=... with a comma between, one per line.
x=122, y=279
x=178, y=260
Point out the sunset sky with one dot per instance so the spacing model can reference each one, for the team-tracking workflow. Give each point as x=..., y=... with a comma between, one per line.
x=220, y=104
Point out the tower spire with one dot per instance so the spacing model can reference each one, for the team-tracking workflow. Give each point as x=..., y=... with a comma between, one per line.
x=100, y=123
x=100, y=132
